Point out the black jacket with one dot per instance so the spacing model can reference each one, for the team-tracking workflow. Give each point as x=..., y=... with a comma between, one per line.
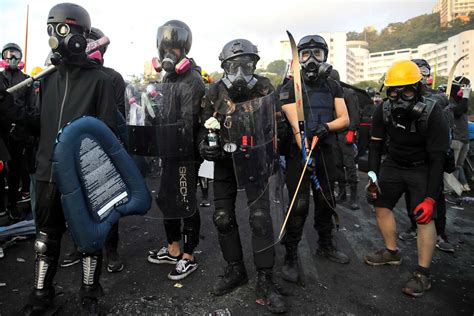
x=119, y=88
x=67, y=94
x=194, y=89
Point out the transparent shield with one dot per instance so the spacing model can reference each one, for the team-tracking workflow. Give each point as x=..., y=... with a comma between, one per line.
x=160, y=132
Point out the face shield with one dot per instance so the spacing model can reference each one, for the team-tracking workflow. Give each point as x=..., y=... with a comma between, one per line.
x=170, y=37
x=239, y=73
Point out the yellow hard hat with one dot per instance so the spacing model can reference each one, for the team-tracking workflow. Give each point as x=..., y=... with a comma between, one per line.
x=402, y=73
x=35, y=71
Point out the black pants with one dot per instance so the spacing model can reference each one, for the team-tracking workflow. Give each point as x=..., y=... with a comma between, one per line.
x=3, y=175
x=225, y=193
x=191, y=228
x=18, y=172
x=323, y=198
x=346, y=170
x=111, y=243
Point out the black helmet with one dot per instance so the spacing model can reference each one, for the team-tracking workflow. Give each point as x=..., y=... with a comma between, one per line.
x=421, y=63
x=236, y=48
x=174, y=34
x=314, y=41
x=71, y=14
x=96, y=34
x=371, y=92
x=11, y=46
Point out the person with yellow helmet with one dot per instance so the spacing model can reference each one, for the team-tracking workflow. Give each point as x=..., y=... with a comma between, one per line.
x=419, y=139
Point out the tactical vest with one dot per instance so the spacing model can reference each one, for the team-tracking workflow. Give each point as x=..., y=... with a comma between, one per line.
x=318, y=105
x=420, y=124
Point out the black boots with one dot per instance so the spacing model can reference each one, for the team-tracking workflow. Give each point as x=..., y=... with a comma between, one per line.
x=91, y=289
x=354, y=199
x=328, y=250
x=290, y=270
x=234, y=276
x=268, y=291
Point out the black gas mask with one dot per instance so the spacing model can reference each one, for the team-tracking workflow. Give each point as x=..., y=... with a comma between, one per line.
x=66, y=41
x=312, y=62
x=239, y=76
x=170, y=59
x=404, y=105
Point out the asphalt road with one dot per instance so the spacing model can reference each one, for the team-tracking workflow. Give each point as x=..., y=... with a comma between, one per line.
x=326, y=288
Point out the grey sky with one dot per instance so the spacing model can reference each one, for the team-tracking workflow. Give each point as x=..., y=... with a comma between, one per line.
x=132, y=26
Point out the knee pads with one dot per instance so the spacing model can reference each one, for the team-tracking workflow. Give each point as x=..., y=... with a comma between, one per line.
x=224, y=222
x=46, y=244
x=261, y=223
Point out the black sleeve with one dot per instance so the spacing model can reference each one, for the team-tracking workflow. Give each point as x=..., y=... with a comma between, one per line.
x=336, y=88
x=106, y=108
x=287, y=93
x=437, y=144
x=119, y=89
x=375, y=146
x=460, y=107
x=378, y=126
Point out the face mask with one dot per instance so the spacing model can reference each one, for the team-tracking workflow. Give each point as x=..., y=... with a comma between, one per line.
x=239, y=77
x=169, y=61
x=12, y=64
x=65, y=43
x=313, y=69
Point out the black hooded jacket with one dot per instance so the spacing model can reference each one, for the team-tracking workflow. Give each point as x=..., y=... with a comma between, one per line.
x=74, y=90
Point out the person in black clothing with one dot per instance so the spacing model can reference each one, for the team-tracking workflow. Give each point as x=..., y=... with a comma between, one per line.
x=442, y=242
x=6, y=101
x=78, y=87
x=174, y=41
x=222, y=104
x=346, y=170
x=19, y=142
x=325, y=112
x=113, y=261
x=419, y=140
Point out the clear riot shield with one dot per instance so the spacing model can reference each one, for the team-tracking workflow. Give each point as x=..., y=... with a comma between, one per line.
x=249, y=134
x=160, y=131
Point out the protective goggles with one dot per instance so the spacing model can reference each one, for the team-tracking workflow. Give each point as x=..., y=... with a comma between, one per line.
x=425, y=71
x=306, y=53
x=245, y=63
x=11, y=53
x=61, y=29
x=407, y=93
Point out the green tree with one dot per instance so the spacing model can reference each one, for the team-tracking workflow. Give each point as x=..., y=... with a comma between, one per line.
x=277, y=67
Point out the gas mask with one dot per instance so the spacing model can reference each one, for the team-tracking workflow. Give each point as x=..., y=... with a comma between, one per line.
x=171, y=63
x=65, y=42
x=425, y=73
x=312, y=62
x=404, y=106
x=12, y=59
x=239, y=74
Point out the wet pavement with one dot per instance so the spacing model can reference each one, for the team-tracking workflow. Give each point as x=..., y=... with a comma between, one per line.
x=326, y=288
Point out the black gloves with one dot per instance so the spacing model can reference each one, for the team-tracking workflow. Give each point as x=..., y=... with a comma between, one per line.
x=321, y=130
x=210, y=153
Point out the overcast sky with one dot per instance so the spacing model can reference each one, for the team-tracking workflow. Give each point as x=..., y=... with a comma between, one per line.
x=132, y=26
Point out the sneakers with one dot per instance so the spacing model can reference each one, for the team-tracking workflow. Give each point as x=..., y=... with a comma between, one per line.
x=205, y=203
x=444, y=245
x=71, y=258
x=417, y=285
x=162, y=256
x=24, y=197
x=183, y=268
x=408, y=235
x=330, y=252
x=466, y=188
x=382, y=257
x=113, y=261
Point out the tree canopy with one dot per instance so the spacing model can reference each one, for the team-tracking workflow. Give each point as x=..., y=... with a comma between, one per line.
x=422, y=29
